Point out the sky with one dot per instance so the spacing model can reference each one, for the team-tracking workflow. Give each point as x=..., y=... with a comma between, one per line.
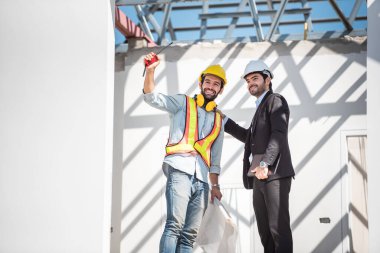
x=320, y=9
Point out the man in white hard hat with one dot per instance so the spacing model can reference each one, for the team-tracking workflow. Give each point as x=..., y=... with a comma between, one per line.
x=193, y=154
x=267, y=166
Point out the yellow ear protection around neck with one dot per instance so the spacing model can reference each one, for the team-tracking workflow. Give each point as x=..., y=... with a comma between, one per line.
x=210, y=106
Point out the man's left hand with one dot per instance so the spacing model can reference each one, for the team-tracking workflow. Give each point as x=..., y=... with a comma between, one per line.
x=261, y=172
x=215, y=193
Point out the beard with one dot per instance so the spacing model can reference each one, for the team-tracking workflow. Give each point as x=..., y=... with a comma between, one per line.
x=257, y=90
x=208, y=97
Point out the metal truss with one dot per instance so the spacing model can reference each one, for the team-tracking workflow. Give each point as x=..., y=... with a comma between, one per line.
x=270, y=20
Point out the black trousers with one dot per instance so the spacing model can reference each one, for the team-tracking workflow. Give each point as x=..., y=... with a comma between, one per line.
x=271, y=205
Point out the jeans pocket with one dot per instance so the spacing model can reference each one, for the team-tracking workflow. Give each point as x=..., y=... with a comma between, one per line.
x=166, y=168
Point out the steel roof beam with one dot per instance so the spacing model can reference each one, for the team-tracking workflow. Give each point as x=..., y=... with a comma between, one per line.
x=341, y=15
x=148, y=13
x=139, y=2
x=276, y=19
x=143, y=2
x=291, y=22
x=144, y=23
x=237, y=9
x=270, y=7
x=171, y=31
x=222, y=5
x=307, y=16
x=203, y=21
x=248, y=14
x=234, y=20
x=165, y=22
x=256, y=21
x=130, y=29
x=355, y=10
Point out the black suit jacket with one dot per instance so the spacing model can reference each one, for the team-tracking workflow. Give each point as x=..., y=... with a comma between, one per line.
x=268, y=135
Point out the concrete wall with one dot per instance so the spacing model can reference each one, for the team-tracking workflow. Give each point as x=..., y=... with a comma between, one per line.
x=373, y=61
x=56, y=110
x=325, y=85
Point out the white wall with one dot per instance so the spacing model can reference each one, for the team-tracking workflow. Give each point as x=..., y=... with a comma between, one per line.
x=325, y=85
x=56, y=110
x=373, y=61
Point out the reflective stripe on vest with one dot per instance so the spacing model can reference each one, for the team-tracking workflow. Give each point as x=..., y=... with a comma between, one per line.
x=189, y=141
x=186, y=144
x=204, y=145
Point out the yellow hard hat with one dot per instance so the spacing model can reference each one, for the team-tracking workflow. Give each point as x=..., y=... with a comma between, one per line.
x=215, y=70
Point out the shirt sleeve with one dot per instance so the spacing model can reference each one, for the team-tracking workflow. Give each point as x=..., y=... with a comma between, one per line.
x=225, y=119
x=216, y=152
x=170, y=104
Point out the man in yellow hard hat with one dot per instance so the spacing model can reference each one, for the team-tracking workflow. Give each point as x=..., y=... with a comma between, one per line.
x=193, y=153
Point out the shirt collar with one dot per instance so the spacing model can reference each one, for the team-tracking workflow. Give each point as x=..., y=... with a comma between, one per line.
x=258, y=101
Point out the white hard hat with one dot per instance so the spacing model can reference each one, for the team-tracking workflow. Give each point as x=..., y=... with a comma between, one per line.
x=257, y=66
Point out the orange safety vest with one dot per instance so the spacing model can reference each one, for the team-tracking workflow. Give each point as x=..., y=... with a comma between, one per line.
x=189, y=141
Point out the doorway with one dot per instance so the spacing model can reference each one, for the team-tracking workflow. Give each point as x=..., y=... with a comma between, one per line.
x=356, y=204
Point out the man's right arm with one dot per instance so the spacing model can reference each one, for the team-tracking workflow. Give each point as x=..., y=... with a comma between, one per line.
x=163, y=102
x=235, y=130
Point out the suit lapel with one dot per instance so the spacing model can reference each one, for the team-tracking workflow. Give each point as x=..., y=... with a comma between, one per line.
x=258, y=111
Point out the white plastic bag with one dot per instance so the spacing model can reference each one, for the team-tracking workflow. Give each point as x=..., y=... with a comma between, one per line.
x=218, y=233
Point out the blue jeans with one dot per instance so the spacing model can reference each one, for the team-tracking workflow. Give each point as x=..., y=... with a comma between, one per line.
x=186, y=202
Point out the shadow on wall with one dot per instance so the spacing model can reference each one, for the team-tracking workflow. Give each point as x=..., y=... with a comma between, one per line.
x=309, y=108
x=374, y=15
